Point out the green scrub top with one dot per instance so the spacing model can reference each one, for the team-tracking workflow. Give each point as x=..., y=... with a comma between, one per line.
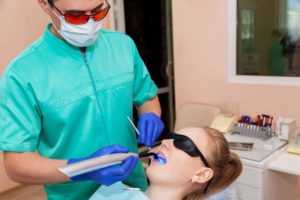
x=63, y=104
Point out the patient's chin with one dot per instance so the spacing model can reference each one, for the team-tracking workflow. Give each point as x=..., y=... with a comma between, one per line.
x=155, y=172
x=177, y=171
x=169, y=180
x=165, y=175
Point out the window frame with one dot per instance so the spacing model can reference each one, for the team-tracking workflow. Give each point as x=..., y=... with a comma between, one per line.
x=232, y=76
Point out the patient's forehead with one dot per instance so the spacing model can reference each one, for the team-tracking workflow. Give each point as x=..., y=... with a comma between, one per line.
x=198, y=135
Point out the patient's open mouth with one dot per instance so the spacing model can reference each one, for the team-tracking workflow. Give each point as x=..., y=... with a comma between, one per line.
x=160, y=158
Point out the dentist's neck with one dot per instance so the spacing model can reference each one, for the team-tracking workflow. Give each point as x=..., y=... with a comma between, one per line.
x=54, y=31
x=158, y=192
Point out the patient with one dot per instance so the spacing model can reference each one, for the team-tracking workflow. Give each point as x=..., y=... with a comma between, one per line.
x=199, y=163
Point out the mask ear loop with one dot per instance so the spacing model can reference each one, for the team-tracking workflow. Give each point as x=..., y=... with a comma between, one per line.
x=45, y=2
x=52, y=10
x=60, y=17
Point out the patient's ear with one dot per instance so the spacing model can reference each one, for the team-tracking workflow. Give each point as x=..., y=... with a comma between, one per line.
x=203, y=175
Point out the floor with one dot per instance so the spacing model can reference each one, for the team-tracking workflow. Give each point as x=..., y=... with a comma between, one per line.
x=31, y=192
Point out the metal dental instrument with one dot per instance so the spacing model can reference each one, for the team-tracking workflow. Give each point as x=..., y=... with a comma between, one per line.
x=136, y=130
x=159, y=159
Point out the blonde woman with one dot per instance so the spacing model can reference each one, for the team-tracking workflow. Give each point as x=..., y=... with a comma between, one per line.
x=198, y=164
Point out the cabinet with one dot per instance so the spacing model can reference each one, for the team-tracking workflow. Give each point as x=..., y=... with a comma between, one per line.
x=250, y=183
x=257, y=182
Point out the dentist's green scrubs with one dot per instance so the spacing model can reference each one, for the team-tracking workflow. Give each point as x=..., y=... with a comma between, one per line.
x=66, y=105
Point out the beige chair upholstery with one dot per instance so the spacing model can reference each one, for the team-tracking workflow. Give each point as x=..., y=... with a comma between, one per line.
x=195, y=114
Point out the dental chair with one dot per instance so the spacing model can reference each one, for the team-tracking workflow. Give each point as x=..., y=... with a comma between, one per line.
x=195, y=115
x=201, y=115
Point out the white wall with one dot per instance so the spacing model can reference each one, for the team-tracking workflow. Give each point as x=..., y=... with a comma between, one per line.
x=16, y=34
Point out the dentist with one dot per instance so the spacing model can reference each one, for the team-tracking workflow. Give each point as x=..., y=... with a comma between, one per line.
x=66, y=98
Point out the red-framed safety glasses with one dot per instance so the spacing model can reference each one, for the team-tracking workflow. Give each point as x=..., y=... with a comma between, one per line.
x=82, y=19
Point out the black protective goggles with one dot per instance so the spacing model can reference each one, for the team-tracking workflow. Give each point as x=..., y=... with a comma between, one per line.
x=187, y=145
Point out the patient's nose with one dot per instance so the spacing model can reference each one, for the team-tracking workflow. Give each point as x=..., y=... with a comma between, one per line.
x=166, y=144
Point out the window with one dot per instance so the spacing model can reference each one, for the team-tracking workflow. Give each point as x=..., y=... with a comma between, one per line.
x=264, y=41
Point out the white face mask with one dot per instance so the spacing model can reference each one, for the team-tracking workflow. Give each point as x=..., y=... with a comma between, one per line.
x=79, y=35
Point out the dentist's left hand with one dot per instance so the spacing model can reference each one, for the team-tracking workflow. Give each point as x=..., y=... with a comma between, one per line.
x=109, y=175
x=150, y=127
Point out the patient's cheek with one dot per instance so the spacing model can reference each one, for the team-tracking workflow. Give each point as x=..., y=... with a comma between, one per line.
x=178, y=170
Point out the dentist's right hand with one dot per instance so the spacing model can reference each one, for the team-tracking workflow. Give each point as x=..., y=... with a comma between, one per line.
x=109, y=175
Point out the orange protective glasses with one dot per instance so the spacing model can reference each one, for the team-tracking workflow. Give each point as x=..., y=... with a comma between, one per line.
x=82, y=19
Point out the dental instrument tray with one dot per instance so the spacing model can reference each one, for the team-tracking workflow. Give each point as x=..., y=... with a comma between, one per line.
x=260, y=149
x=94, y=164
x=251, y=130
x=243, y=146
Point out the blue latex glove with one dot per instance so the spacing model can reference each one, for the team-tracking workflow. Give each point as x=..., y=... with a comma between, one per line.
x=150, y=127
x=108, y=175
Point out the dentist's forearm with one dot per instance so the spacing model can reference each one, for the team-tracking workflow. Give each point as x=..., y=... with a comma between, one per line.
x=31, y=168
x=151, y=105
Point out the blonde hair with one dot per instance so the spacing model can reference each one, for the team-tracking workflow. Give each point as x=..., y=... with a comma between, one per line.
x=226, y=165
